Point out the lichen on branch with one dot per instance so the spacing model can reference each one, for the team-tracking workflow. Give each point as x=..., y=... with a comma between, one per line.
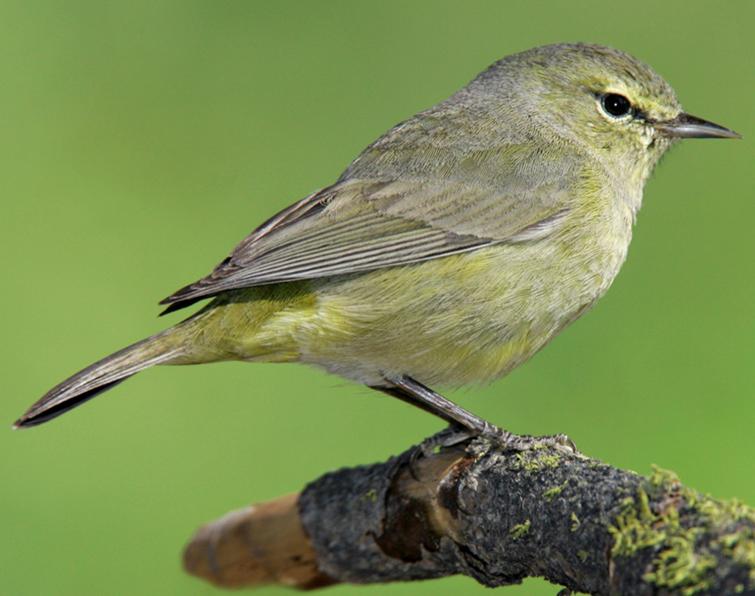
x=497, y=515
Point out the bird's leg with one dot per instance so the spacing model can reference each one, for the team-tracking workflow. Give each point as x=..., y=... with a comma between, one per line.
x=415, y=393
x=464, y=424
x=453, y=435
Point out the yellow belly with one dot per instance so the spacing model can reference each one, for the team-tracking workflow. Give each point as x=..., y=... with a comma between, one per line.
x=453, y=321
x=462, y=319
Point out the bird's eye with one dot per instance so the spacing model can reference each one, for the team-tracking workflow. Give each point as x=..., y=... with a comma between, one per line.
x=615, y=105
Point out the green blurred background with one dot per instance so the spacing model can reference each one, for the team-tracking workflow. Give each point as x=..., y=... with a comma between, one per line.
x=142, y=140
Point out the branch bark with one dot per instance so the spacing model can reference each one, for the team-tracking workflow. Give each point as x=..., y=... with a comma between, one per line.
x=495, y=515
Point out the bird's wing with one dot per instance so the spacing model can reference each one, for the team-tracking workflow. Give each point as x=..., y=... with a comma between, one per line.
x=366, y=223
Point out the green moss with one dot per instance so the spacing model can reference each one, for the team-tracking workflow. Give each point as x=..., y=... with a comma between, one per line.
x=744, y=553
x=549, y=461
x=679, y=567
x=583, y=554
x=678, y=563
x=520, y=530
x=737, y=545
x=575, y=523
x=371, y=495
x=719, y=512
x=554, y=491
x=533, y=460
x=664, y=479
x=635, y=527
x=740, y=546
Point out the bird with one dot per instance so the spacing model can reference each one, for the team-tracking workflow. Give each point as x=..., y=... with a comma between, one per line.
x=450, y=251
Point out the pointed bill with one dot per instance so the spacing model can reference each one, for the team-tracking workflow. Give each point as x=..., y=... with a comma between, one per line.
x=686, y=126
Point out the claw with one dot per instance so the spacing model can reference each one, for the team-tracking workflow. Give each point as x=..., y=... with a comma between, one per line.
x=509, y=441
x=560, y=442
x=490, y=434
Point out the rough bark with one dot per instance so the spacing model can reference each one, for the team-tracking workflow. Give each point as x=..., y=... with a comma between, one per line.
x=493, y=514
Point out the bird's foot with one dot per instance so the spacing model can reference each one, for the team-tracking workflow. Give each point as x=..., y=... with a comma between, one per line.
x=485, y=438
x=510, y=441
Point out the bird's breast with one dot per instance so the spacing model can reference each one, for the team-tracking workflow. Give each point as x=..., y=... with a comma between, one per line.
x=471, y=317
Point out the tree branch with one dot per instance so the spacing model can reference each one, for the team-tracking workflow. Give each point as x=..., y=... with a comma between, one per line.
x=495, y=515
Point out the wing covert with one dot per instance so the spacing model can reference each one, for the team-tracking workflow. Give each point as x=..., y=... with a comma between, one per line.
x=362, y=224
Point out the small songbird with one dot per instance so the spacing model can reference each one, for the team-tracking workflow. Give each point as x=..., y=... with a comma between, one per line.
x=451, y=249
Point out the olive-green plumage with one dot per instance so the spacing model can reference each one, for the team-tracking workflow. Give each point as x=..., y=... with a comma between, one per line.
x=453, y=248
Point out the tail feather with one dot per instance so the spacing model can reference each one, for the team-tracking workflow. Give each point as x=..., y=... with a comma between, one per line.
x=99, y=377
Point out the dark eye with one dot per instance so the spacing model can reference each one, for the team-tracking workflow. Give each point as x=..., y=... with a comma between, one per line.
x=616, y=105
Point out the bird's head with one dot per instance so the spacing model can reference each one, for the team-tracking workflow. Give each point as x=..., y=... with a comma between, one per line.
x=607, y=101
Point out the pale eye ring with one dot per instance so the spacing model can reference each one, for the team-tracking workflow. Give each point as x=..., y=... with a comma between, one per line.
x=616, y=106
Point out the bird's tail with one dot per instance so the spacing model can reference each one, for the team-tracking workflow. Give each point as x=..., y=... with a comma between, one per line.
x=101, y=376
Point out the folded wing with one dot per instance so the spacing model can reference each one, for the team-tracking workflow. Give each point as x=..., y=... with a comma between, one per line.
x=360, y=225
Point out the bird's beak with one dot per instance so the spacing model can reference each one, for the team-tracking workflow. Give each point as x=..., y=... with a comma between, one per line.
x=685, y=126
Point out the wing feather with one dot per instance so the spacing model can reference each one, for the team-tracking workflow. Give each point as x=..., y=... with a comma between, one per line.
x=360, y=225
